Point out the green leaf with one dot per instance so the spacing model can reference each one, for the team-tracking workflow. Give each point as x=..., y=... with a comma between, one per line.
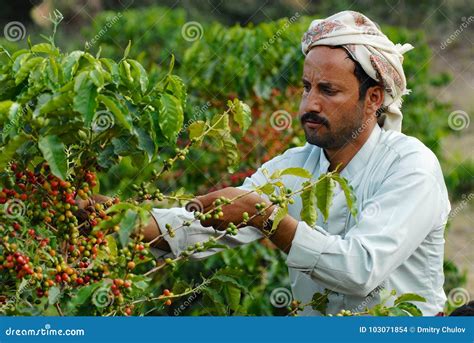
x=410, y=308
x=53, y=152
x=409, y=297
x=112, y=245
x=320, y=302
x=83, y=294
x=85, y=98
x=55, y=102
x=26, y=67
x=107, y=157
x=214, y=296
x=233, y=295
x=324, y=193
x=113, y=106
x=53, y=295
x=145, y=143
x=171, y=66
x=221, y=122
x=127, y=50
x=378, y=310
x=242, y=114
x=281, y=213
x=15, y=121
x=127, y=224
x=97, y=78
x=123, y=145
x=139, y=73
x=196, y=129
x=385, y=295
x=228, y=279
x=126, y=74
x=296, y=171
x=71, y=63
x=45, y=48
x=119, y=207
x=5, y=107
x=141, y=282
x=221, y=133
x=19, y=61
x=53, y=72
x=171, y=116
x=397, y=312
x=268, y=188
x=177, y=88
x=113, y=69
x=308, y=210
x=348, y=193
x=229, y=145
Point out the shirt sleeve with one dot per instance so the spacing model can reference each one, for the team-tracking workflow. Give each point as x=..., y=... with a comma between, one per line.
x=391, y=226
x=189, y=235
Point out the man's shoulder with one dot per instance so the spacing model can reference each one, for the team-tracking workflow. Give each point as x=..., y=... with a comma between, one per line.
x=409, y=152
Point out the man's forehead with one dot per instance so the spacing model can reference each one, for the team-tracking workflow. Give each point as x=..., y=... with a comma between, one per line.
x=332, y=64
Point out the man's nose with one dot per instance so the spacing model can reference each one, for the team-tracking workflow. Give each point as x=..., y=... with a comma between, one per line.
x=312, y=103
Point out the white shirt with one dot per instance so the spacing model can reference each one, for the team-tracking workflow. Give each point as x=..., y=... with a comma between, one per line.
x=397, y=242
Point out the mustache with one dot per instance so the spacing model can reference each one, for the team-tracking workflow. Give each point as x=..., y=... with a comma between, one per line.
x=314, y=117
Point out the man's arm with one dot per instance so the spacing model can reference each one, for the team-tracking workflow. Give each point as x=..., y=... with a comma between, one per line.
x=198, y=232
x=151, y=231
x=285, y=233
x=410, y=204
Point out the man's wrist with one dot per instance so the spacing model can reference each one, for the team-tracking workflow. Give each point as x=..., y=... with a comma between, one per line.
x=260, y=220
x=268, y=226
x=284, y=233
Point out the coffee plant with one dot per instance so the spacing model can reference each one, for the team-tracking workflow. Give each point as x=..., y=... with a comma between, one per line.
x=402, y=306
x=66, y=117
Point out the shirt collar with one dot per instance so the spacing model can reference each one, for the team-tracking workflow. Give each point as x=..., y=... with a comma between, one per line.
x=360, y=159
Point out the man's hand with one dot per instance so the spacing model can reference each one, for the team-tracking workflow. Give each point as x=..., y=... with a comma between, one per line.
x=97, y=198
x=245, y=203
x=85, y=207
x=233, y=212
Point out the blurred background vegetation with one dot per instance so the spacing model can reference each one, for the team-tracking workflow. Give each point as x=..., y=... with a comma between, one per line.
x=251, y=50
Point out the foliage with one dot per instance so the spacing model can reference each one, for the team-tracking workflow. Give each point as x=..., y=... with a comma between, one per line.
x=402, y=306
x=453, y=276
x=459, y=180
x=64, y=117
x=155, y=32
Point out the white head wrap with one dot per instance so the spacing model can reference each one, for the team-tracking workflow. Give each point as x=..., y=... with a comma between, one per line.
x=379, y=57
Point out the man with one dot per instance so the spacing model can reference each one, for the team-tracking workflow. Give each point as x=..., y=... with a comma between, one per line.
x=350, y=110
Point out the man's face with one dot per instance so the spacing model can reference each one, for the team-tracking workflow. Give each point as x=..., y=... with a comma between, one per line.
x=330, y=110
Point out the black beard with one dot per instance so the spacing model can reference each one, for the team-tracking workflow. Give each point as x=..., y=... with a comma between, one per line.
x=329, y=140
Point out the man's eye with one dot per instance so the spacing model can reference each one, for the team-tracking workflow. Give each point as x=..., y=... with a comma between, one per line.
x=306, y=87
x=328, y=91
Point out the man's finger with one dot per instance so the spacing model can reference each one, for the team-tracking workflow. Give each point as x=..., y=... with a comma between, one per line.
x=100, y=198
x=194, y=205
x=214, y=223
x=206, y=200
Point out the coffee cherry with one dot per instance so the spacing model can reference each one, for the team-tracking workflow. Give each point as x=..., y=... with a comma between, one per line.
x=118, y=282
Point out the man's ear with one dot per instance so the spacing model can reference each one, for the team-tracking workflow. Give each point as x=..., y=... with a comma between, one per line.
x=374, y=99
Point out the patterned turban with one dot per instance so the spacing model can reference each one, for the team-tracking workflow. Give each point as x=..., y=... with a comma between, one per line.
x=380, y=58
